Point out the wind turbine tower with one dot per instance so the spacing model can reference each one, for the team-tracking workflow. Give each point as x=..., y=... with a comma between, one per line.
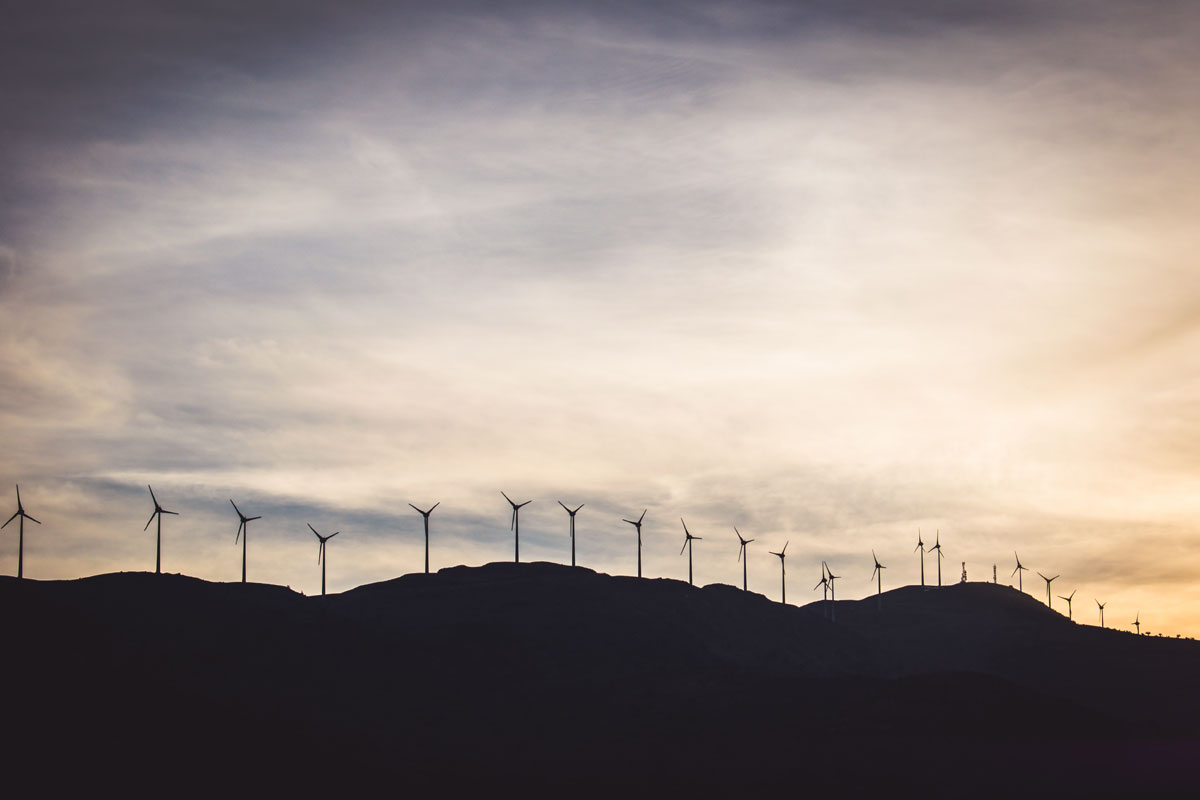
x=572, y=514
x=321, y=559
x=1068, y=598
x=742, y=555
x=242, y=531
x=940, y=555
x=515, y=525
x=783, y=572
x=1018, y=570
x=158, y=512
x=921, y=546
x=425, y=515
x=1048, y=582
x=687, y=545
x=877, y=574
x=638, y=525
x=20, y=515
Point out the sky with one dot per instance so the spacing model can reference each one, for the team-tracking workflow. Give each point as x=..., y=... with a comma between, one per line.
x=832, y=273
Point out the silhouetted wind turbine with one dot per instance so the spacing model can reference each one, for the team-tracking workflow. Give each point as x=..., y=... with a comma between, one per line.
x=321, y=559
x=1137, y=623
x=742, y=556
x=823, y=583
x=940, y=555
x=425, y=516
x=572, y=513
x=20, y=514
x=158, y=512
x=921, y=546
x=244, y=532
x=1048, y=582
x=1068, y=598
x=832, y=591
x=687, y=545
x=1101, y=605
x=516, y=525
x=638, y=525
x=1017, y=570
x=783, y=571
x=878, y=576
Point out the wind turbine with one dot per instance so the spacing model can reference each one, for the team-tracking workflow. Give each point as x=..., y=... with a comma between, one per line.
x=687, y=545
x=20, y=514
x=1048, y=582
x=1068, y=598
x=1101, y=605
x=878, y=576
x=426, y=514
x=742, y=555
x=832, y=591
x=921, y=546
x=940, y=555
x=823, y=583
x=321, y=559
x=158, y=512
x=1017, y=570
x=638, y=525
x=516, y=525
x=572, y=513
x=783, y=571
x=244, y=532
x=1137, y=623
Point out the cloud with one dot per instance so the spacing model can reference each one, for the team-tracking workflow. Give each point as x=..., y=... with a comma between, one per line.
x=824, y=273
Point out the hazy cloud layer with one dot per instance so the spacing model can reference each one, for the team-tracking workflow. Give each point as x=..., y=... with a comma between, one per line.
x=828, y=275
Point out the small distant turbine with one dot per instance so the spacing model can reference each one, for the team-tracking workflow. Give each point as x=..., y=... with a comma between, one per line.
x=20, y=515
x=940, y=555
x=1137, y=623
x=321, y=559
x=158, y=512
x=783, y=571
x=1101, y=606
x=823, y=583
x=742, y=555
x=638, y=525
x=1017, y=570
x=921, y=546
x=572, y=513
x=1068, y=598
x=1048, y=582
x=515, y=525
x=425, y=515
x=878, y=576
x=687, y=545
x=832, y=591
x=244, y=532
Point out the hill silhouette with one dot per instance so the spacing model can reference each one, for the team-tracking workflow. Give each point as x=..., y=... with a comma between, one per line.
x=554, y=679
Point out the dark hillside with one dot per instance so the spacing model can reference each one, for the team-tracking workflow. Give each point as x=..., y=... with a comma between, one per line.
x=558, y=679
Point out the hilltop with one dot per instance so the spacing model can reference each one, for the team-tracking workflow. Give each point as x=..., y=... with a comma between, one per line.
x=563, y=679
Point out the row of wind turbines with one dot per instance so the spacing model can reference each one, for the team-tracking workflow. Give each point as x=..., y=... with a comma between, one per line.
x=826, y=583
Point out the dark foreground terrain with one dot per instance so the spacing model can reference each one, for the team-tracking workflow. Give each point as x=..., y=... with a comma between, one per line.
x=552, y=680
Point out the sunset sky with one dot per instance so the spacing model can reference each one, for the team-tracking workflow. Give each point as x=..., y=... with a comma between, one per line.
x=829, y=272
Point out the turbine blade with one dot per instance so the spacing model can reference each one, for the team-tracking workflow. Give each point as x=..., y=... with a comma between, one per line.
x=414, y=508
x=330, y=536
x=251, y=519
x=10, y=519
x=164, y=511
x=151, y=519
x=152, y=497
x=643, y=516
x=506, y=497
x=685, y=544
x=31, y=519
x=785, y=544
x=435, y=505
x=235, y=508
x=238, y=535
x=314, y=530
